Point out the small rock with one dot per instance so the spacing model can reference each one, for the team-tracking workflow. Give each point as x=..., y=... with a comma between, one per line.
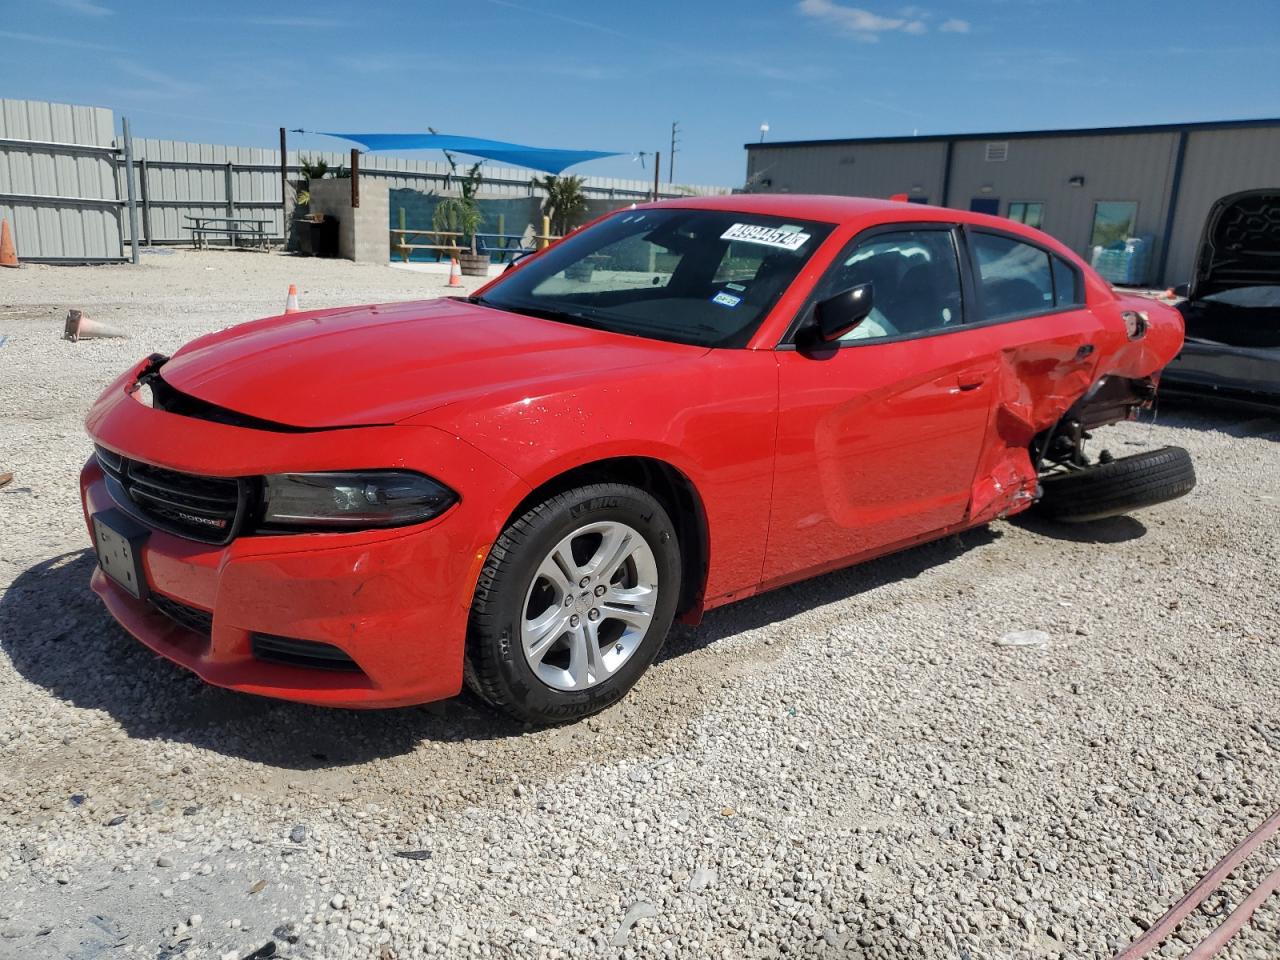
x=163, y=862
x=338, y=901
x=1024, y=638
x=702, y=878
x=195, y=920
x=116, y=821
x=414, y=854
x=298, y=833
x=638, y=911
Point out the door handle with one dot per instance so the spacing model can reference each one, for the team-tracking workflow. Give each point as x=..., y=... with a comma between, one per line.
x=1084, y=351
x=970, y=380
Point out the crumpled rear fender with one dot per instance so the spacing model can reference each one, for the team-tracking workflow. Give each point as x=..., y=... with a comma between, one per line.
x=1039, y=381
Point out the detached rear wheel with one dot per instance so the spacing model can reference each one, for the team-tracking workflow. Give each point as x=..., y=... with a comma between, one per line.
x=1117, y=487
x=573, y=603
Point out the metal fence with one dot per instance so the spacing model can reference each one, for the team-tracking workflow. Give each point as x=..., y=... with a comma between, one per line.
x=58, y=181
x=177, y=179
x=63, y=183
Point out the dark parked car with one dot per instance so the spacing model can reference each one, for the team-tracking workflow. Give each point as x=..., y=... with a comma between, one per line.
x=1232, y=310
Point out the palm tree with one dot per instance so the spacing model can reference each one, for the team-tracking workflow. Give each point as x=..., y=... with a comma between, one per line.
x=565, y=203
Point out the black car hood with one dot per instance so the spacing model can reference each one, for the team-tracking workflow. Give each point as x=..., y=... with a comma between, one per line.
x=1240, y=246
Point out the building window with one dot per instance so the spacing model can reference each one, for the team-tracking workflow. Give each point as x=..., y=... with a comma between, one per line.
x=1032, y=214
x=1113, y=220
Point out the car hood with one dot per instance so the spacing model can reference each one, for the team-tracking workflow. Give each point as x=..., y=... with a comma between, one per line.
x=1240, y=245
x=360, y=366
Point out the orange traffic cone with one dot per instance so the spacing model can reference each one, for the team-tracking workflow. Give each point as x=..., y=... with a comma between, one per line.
x=8, y=255
x=455, y=272
x=79, y=327
x=291, y=303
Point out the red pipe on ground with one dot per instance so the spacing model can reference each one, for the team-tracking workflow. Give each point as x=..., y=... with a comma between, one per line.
x=1210, y=882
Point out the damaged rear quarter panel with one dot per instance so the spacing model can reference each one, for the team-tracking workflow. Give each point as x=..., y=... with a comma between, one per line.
x=1044, y=366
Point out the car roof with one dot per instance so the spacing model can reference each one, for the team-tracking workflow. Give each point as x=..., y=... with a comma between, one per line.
x=802, y=205
x=860, y=212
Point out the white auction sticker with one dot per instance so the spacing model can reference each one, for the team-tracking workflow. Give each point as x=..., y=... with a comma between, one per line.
x=786, y=239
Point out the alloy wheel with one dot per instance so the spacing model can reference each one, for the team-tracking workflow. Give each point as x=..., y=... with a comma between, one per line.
x=589, y=605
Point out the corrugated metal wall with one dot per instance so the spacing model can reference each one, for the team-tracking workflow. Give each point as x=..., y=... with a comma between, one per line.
x=1137, y=167
x=868, y=170
x=58, y=180
x=1218, y=162
x=63, y=191
x=190, y=179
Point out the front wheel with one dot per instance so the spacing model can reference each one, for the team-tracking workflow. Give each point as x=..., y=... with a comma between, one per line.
x=573, y=603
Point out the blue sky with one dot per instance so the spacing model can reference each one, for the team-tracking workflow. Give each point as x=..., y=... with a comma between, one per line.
x=599, y=74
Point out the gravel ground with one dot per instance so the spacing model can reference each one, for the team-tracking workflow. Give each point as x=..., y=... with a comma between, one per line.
x=851, y=767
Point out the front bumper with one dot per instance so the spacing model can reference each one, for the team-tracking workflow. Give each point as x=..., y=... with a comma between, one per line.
x=396, y=601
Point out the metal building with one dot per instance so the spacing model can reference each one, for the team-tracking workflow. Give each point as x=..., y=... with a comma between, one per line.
x=1085, y=187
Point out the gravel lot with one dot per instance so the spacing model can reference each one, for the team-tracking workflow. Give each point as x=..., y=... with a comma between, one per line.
x=852, y=767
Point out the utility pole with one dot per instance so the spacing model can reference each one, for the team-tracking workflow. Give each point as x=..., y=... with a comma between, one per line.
x=671, y=157
x=657, y=171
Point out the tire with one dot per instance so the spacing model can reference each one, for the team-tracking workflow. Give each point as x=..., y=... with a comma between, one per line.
x=534, y=623
x=1118, y=487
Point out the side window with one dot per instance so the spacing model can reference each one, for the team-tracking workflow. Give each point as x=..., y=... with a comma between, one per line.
x=915, y=278
x=1066, y=284
x=1016, y=278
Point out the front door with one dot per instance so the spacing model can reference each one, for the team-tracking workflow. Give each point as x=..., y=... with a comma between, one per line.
x=879, y=435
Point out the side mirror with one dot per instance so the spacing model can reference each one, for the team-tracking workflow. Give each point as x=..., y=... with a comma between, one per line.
x=1182, y=289
x=836, y=316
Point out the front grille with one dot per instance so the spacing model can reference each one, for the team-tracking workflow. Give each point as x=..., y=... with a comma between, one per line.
x=210, y=509
x=194, y=619
x=301, y=653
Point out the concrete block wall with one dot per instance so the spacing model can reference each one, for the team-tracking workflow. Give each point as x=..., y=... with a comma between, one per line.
x=362, y=231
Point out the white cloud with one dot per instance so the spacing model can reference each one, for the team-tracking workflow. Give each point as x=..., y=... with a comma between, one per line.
x=156, y=85
x=87, y=7
x=55, y=41
x=862, y=23
x=955, y=26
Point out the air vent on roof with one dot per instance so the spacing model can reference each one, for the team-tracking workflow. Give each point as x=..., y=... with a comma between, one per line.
x=998, y=152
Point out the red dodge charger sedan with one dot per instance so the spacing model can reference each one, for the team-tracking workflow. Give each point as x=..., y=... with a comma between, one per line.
x=677, y=406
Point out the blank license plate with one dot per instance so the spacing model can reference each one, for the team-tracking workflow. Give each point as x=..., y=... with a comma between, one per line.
x=119, y=550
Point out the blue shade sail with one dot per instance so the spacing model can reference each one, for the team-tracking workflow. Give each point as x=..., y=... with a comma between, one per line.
x=535, y=158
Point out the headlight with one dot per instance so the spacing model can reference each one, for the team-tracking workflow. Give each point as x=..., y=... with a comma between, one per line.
x=373, y=498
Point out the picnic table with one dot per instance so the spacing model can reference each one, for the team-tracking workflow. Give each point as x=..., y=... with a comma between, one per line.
x=448, y=243
x=233, y=228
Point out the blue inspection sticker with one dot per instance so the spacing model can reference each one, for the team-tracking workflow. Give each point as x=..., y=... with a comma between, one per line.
x=726, y=299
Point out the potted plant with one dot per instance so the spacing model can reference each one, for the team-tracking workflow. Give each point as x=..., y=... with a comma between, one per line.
x=461, y=216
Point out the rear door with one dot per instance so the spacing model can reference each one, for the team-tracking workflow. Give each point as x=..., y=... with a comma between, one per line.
x=879, y=435
x=1030, y=300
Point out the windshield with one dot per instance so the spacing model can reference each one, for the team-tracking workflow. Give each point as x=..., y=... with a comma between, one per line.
x=706, y=277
